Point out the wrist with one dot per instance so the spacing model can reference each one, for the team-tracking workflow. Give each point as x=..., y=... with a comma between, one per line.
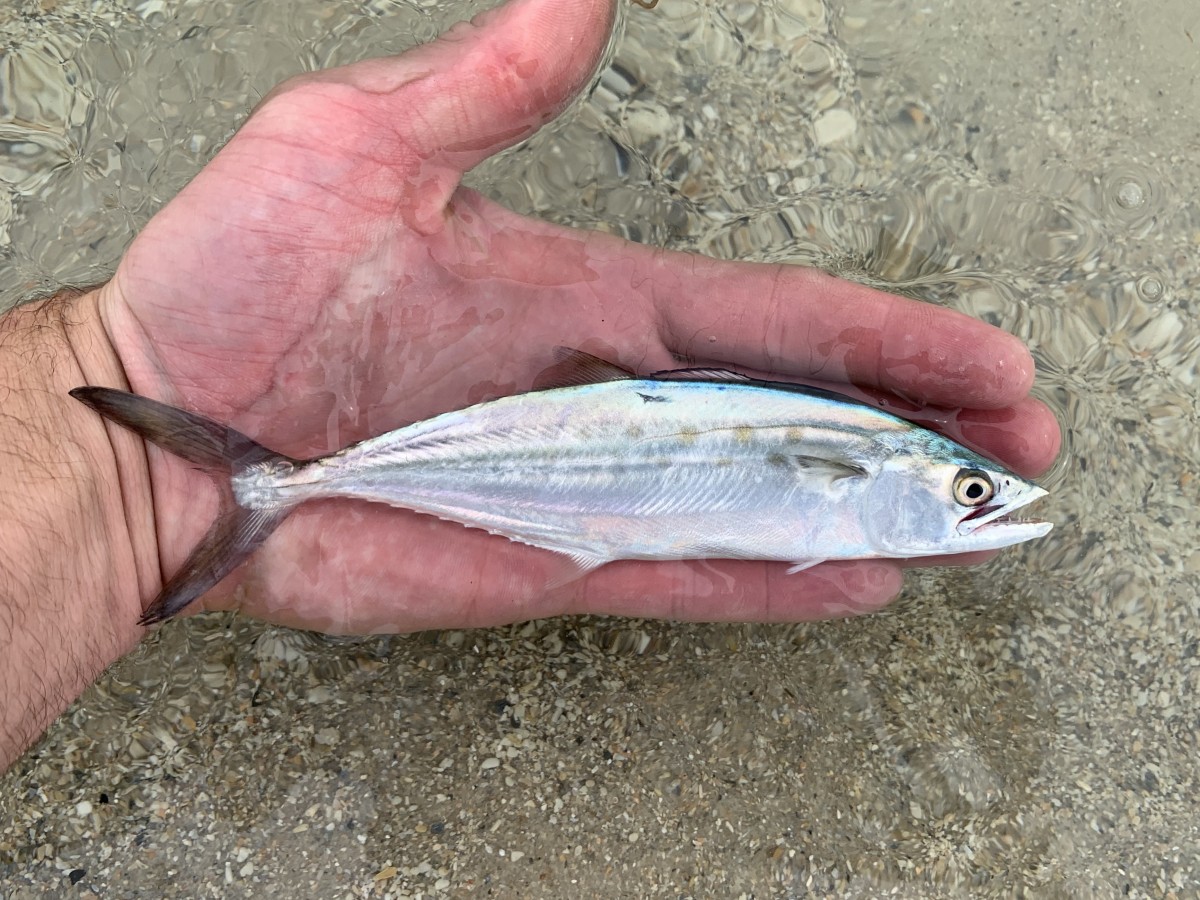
x=77, y=540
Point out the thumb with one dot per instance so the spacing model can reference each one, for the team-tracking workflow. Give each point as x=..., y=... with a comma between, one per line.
x=484, y=85
x=497, y=79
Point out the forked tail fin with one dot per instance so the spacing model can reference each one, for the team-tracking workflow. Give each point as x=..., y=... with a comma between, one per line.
x=223, y=453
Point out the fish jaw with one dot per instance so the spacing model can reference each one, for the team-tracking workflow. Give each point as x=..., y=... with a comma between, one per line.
x=989, y=528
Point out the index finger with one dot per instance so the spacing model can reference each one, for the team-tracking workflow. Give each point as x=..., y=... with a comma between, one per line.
x=803, y=322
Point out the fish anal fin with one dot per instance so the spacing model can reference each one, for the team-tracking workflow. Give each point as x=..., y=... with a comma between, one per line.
x=573, y=368
x=573, y=565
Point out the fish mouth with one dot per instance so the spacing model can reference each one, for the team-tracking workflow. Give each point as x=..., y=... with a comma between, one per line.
x=993, y=520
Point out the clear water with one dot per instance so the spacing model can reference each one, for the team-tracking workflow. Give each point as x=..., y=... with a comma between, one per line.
x=1026, y=727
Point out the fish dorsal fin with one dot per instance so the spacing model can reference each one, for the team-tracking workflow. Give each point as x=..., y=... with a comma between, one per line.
x=573, y=368
x=726, y=376
x=699, y=374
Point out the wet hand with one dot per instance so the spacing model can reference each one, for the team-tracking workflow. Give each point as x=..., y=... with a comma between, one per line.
x=326, y=279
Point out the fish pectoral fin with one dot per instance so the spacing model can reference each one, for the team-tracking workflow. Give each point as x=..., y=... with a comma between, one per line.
x=835, y=467
x=801, y=564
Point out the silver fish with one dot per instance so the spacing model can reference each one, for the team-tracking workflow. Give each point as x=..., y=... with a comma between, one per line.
x=685, y=464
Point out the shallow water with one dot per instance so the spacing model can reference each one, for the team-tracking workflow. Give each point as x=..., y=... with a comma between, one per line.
x=1030, y=726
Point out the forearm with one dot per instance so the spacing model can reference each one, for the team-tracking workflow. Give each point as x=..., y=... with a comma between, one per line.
x=76, y=532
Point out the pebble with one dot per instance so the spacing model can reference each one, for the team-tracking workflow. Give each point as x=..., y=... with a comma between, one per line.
x=834, y=125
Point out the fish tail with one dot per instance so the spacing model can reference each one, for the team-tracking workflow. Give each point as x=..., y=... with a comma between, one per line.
x=221, y=451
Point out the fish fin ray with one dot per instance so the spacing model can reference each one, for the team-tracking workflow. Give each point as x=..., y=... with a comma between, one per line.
x=836, y=467
x=585, y=561
x=573, y=368
x=709, y=375
x=699, y=374
x=188, y=435
x=800, y=565
x=236, y=533
x=575, y=564
x=220, y=451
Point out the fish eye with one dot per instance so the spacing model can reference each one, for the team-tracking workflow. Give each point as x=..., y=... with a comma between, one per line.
x=973, y=487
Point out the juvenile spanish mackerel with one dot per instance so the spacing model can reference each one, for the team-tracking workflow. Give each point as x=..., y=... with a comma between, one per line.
x=685, y=464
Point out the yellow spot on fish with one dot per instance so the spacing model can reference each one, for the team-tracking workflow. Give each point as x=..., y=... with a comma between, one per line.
x=794, y=434
x=688, y=434
x=744, y=434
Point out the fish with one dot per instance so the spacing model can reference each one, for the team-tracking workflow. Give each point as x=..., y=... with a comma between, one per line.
x=608, y=465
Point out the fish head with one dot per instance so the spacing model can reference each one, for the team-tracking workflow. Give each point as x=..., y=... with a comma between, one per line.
x=923, y=507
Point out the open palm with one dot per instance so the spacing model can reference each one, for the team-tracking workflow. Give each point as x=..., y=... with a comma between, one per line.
x=326, y=279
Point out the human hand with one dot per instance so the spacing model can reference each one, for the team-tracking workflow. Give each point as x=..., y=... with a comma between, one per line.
x=325, y=279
